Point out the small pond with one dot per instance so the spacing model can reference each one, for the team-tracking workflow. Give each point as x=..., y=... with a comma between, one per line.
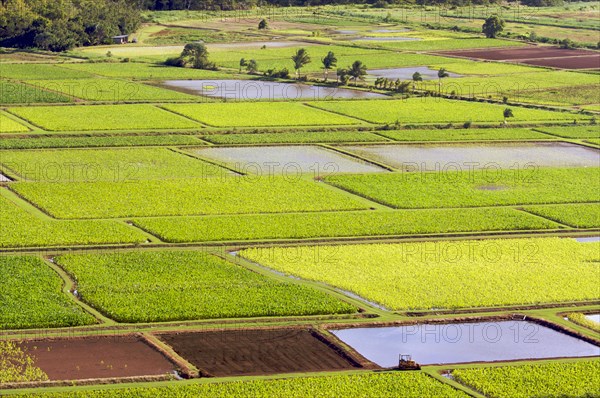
x=287, y=160
x=463, y=342
x=258, y=90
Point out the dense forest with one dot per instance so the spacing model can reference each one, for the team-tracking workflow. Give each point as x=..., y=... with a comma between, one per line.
x=58, y=25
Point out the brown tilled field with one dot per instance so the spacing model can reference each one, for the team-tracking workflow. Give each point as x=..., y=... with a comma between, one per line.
x=257, y=352
x=97, y=357
x=581, y=62
x=535, y=55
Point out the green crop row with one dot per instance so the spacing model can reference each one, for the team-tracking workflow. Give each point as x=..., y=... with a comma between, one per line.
x=487, y=187
x=122, y=164
x=443, y=44
x=7, y=125
x=259, y=114
x=515, y=86
x=566, y=95
x=103, y=117
x=592, y=131
x=97, y=142
x=468, y=67
x=339, y=224
x=22, y=229
x=142, y=198
x=293, y=137
x=437, y=110
x=32, y=296
x=415, y=110
x=550, y=380
x=580, y=319
x=19, y=93
x=447, y=274
x=574, y=215
x=143, y=71
x=112, y=90
x=404, y=384
x=182, y=285
x=465, y=134
x=24, y=71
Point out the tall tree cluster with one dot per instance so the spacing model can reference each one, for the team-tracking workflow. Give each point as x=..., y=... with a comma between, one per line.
x=59, y=25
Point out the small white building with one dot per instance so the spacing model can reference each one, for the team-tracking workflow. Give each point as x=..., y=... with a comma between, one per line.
x=121, y=39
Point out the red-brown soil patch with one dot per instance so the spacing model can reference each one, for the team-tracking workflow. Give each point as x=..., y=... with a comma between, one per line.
x=581, y=62
x=258, y=351
x=97, y=357
x=521, y=53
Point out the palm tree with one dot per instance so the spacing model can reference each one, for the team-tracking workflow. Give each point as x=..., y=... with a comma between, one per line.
x=252, y=66
x=243, y=63
x=329, y=62
x=507, y=113
x=300, y=59
x=416, y=77
x=358, y=70
x=441, y=74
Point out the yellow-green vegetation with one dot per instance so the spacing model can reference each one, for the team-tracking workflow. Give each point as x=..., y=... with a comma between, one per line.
x=339, y=224
x=574, y=215
x=143, y=71
x=17, y=366
x=100, y=141
x=23, y=71
x=590, y=131
x=19, y=93
x=259, y=114
x=447, y=274
x=32, y=296
x=432, y=110
x=580, y=319
x=465, y=134
x=173, y=197
x=179, y=285
x=443, y=44
x=404, y=384
x=124, y=164
x=294, y=137
x=103, y=117
x=20, y=228
x=488, y=187
x=550, y=380
x=8, y=125
x=110, y=90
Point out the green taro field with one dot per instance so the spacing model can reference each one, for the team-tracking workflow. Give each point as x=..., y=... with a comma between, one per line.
x=403, y=277
x=133, y=210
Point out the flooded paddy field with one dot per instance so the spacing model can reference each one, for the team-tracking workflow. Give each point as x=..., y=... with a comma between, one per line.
x=287, y=160
x=465, y=156
x=257, y=90
x=463, y=342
